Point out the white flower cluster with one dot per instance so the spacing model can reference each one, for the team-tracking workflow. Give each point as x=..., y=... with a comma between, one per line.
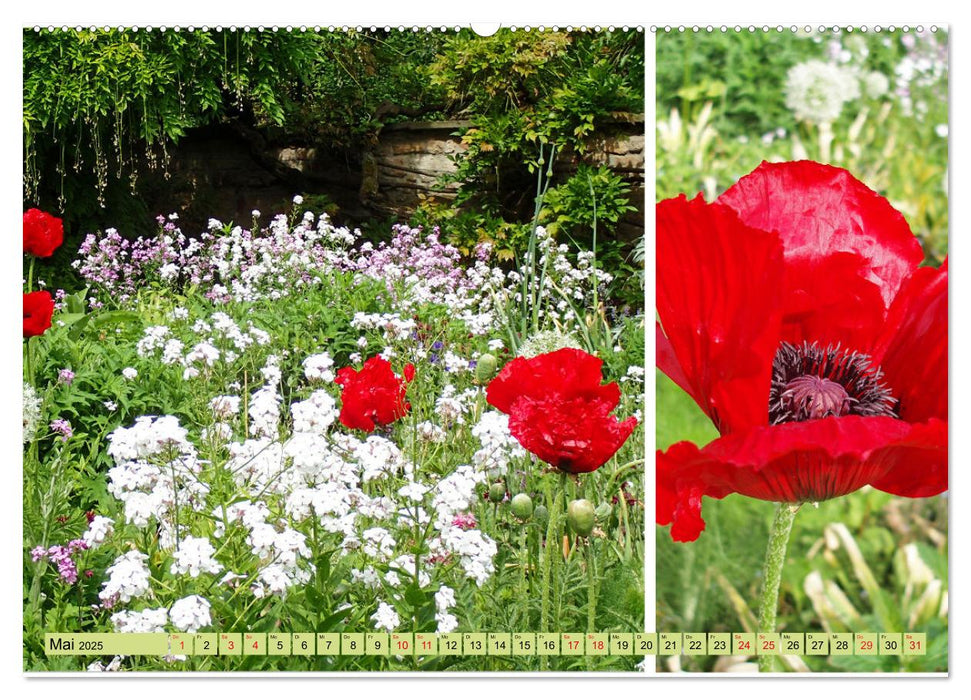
x=386, y=618
x=31, y=407
x=195, y=555
x=499, y=447
x=190, y=614
x=147, y=620
x=319, y=367
x=99, y=529
x=817, y=90
x=155, y=468
x=218, y=339
x=444, y=600
x=128, y=578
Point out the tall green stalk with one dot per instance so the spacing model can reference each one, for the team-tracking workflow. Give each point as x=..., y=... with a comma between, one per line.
x=775, y=558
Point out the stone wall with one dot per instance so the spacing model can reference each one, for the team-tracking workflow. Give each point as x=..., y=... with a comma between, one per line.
x=226, y=173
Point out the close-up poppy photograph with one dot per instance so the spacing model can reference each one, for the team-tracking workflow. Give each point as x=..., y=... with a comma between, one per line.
x=802, y=348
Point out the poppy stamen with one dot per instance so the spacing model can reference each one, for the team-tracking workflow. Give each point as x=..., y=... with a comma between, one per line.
x=810, y=382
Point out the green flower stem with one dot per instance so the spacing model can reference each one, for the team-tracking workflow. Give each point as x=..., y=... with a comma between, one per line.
x=775, y=558
x=591, y=593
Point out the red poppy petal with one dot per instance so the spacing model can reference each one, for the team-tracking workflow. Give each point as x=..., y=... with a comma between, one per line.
x=38, y=312
x=819, y=210
x=913, y=355
x=681, y=482
x=575, y=436
x=798, y=462
x=719, y=288
x=567, y=373
x=916, y=466
x=829, y=301
x=667, y=362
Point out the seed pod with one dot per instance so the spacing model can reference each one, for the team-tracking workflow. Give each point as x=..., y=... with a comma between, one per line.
x=580, y=515
x=497, y=492
x=521, y=506
x=485, y=367
x=541, y=516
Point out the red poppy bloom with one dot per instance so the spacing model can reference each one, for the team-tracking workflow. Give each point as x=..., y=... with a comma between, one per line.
x=38, y=310
x=560, y=411
x=43, y=233
x=793, y=311
x=373, y=396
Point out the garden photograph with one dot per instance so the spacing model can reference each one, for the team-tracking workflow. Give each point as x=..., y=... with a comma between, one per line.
x=802, y=348
x=341, y=333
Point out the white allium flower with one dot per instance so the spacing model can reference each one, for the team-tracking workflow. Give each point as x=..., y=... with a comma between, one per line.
x=386, y=618
x=816, y=90
x=547, y=341
x=98, y=530
x=128, y=578
x=191, y=613
x=193, y=556
x=875, y=84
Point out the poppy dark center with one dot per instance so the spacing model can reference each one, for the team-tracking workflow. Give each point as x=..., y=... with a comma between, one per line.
x=811, y=382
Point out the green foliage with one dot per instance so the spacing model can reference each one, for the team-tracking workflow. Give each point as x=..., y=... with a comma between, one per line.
x=109, y=103
x=533, y=100
x=593, y=198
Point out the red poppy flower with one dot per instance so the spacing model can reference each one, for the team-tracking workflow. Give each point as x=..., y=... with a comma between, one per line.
x=373, y=396
x=560, y=411
x=793, y=311
x=43, y=233
x=38, y=310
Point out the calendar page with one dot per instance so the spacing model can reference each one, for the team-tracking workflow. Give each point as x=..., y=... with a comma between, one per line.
x=337, y=349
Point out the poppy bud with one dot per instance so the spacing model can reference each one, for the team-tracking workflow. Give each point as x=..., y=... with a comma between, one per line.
x=580, y=515
x=485, y=367
x=603, y=511
x=521, y=506
x=541, y=515
x=497, y=492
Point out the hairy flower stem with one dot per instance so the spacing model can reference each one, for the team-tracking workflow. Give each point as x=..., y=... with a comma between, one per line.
x=775, y=558
x=551, y=550
x=591, y=593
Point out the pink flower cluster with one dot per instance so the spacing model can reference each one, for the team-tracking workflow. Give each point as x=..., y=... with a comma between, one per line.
x=63, y=557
